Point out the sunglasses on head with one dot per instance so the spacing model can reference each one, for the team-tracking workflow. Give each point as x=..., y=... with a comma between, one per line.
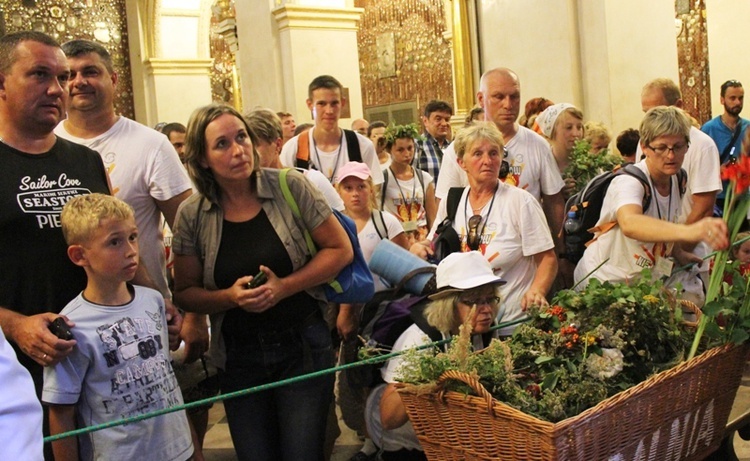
x=504, y=166
x=473, y=238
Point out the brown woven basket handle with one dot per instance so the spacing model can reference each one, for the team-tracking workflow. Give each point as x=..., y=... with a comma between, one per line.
x=691, y=307
x=471, y=382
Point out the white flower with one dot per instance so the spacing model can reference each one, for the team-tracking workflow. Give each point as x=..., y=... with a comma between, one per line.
x=606, y=365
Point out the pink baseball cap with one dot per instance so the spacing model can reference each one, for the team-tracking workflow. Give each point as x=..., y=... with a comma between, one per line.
x=356, y=169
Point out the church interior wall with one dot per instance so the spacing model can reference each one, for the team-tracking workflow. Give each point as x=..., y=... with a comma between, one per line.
x=613, y=42
x=260, y=57
x=727, y=38
x=404, y=58
x=595, y=54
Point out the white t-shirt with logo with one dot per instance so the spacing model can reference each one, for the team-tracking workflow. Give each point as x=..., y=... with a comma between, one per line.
x=329, y=162
x=405, y=200
x=143, y=168
x=532, y=167
x=627, y=256
x=513, y=230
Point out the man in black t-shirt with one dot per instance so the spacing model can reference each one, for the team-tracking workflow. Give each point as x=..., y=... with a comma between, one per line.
x=39, y=174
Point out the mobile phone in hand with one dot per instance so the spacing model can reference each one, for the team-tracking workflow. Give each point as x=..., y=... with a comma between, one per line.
x=59, y=328
x=258, y=280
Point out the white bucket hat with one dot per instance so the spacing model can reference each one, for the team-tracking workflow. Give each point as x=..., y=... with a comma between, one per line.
x=463, y=271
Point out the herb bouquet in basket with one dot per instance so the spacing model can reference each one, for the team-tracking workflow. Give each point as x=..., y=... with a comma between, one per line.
x=600, y=374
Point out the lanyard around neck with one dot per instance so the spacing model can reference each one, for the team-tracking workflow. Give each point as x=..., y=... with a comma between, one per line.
x=486, y=218
x=656, y=199
x=413, y=187
x=338, y=154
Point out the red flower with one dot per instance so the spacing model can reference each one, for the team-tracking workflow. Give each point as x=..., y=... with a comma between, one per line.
x=738, y=172
x=558, y=312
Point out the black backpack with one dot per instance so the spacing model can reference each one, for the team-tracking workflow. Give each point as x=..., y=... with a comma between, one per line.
x=302, y=158
x=587, y=206
x=446, y=239
x=378, y=222
x=383, y=320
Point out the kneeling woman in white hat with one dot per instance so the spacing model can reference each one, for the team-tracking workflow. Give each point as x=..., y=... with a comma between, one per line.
x=464, y=280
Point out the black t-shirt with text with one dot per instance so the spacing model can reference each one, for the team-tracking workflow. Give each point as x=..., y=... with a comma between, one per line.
x=35, y=273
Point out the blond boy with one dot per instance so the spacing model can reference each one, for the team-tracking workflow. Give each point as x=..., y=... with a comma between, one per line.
x=120, y=366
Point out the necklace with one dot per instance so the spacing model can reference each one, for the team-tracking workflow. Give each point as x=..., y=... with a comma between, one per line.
x=731, y=128
x=479, y=208
x=413, y=187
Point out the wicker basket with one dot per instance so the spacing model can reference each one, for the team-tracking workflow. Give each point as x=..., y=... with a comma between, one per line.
x=678, y=414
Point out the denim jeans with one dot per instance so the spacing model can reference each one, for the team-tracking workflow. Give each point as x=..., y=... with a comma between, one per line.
x=288, y=422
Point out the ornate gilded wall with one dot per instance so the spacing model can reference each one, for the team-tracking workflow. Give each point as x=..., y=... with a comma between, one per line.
x=104, y=22
x=403, y=55
x=223, y=43
x=692, y=58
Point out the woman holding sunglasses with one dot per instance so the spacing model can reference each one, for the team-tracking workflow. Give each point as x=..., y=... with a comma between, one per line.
x=503, y=222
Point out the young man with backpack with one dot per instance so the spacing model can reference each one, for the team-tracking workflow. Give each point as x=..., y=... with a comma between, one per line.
x=327, y=147
x=630, y=238
x=464, y=280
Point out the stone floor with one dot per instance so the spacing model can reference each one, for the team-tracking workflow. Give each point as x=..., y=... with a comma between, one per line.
x=218, y=444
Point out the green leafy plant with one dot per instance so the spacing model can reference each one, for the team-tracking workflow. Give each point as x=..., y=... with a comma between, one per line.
x=394, y=132
x=571, y=355
x=584, y=166
x=726, y=313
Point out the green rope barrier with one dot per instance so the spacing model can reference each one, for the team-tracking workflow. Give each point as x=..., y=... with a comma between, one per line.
x=262, y=387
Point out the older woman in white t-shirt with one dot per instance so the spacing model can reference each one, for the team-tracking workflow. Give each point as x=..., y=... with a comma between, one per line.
x=503, y=222
x=649, y=238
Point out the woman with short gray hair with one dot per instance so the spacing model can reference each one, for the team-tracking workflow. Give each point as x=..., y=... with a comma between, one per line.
x=630, y=238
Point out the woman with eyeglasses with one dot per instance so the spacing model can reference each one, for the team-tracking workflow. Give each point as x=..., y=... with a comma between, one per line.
x=503, y=222
x=464, y=281
x=630, y=238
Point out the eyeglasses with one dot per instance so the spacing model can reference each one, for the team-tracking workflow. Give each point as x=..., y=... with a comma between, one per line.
x=492, y=300
x=473, y=238
x=677, y=149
